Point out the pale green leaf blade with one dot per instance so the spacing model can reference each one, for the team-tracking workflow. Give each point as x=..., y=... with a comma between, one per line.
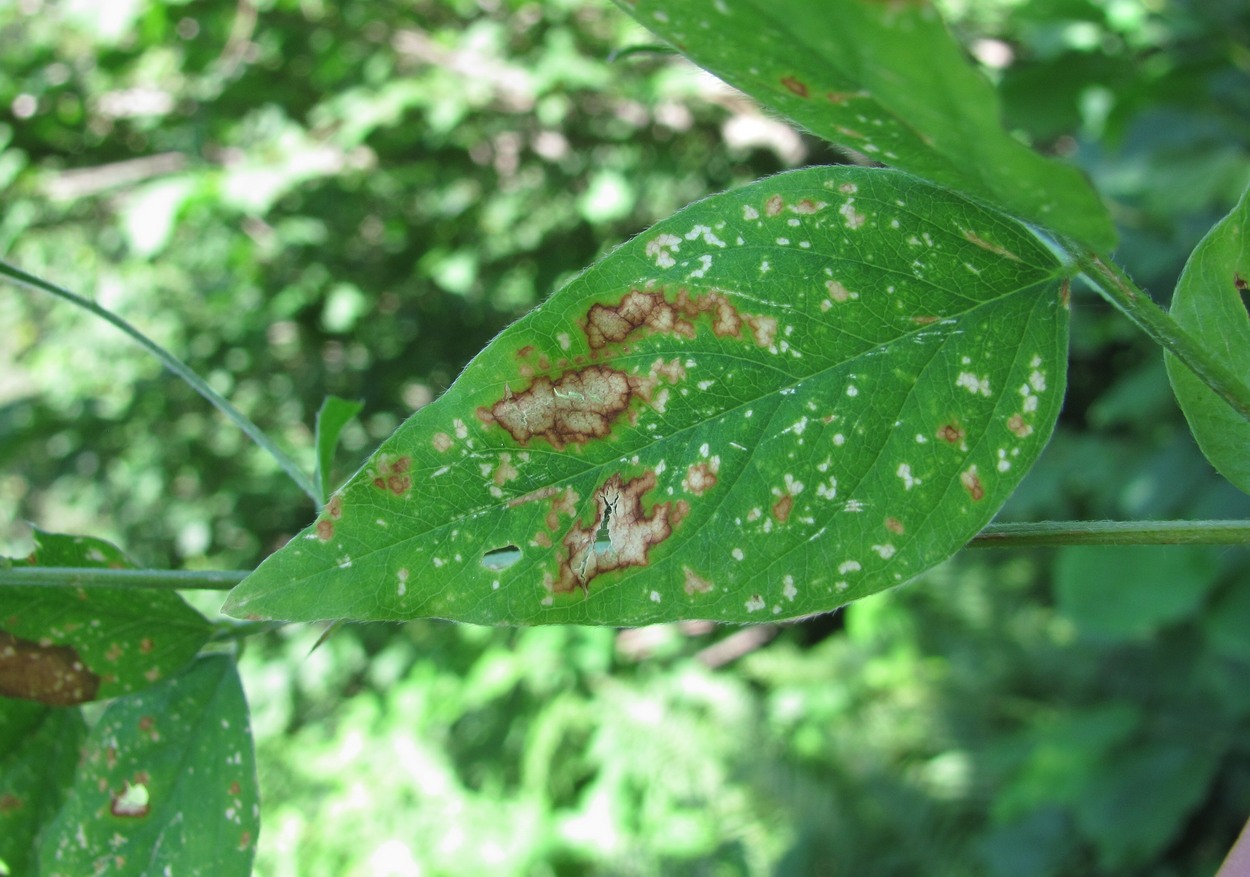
x=887, y=80
x=334, y=414
x=38, y=753
x=63, y=646
x=166, y=785
x=778, y=400
x=1210, y=302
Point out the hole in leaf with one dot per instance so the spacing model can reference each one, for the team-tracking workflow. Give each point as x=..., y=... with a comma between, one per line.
x=501, y=558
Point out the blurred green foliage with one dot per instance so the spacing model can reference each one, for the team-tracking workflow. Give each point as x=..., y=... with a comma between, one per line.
x=303, y=198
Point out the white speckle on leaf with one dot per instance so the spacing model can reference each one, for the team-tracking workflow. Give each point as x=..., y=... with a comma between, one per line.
x=829, y=490
x=737, y=554
x=789, y=591
x=1030, y=404
x=973, y=384
x=793, y=487
x=709, y=238
x=749, y=212
x=921, y=439
x=848, y=566
x=839, y=439
x=655, y=596
x=886, y=551
x=462, y=431
x=755, y=514
x=564, y=340
x=662, y=247
x=755, y=604
x=783, y=242
x=909, y=481
x=853, y=218
x=1037, y=381
x=852, y=391
x=765, y=267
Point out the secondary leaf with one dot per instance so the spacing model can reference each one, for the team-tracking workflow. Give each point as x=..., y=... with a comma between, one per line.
x=778, y=400
x=335, y=413
x=887, y=80
x=62, y=646
x=1210, y=302
x=167, y=784
x=38, y=753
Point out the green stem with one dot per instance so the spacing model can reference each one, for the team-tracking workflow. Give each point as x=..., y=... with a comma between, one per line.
x=175, y=365
x=1111, y=281
x=1044, y=533
x=1113, y=533
x=145, y=579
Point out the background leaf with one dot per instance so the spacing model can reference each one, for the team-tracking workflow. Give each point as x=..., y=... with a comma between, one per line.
x=66, y=646
x=167, y=784
x=1210, y=301
x=778, y=400
x=334, y=414
x=887, y=80
x=38, y=753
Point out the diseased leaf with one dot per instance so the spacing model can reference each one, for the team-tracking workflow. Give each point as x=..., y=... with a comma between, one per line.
x=167, y=784
x=778, y=400
x=1210, y=301
x=887, y=80
x=64, y=646
x=38, y=754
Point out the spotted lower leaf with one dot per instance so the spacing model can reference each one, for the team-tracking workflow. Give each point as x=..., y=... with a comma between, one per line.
x=63, y=647
x=778, y=400
x=1211, y=301
x=166, y=784
x=885, y=78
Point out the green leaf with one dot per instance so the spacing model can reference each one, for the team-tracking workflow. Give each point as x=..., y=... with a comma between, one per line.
x=887, y=80
x=38, y=754
x=65, y=646
x=167, y=784
x=1210, y=302
x=335, y=413
x=1122, y=593
x=778, y=400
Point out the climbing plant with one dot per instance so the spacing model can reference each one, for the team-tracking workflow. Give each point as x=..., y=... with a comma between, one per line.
x=778, y=400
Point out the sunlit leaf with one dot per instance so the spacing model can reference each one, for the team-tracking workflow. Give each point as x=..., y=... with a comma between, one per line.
x=64, y=646
x=38, y=754
x=1210, y=301
x=778, y=400
x=887, y=80
x=167, y=784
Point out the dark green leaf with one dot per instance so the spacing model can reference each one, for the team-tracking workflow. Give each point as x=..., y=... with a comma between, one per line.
x=887, y=80
x=38, y=754
x=167, y=784
x=1210, y=301
x=335, y=413
x=778, y=400
x=1127, y=592
x=65, y=646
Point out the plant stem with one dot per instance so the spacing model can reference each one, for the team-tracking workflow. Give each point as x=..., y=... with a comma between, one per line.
x=1044, y=533
x=1053, y=533
x=97, y=577
x=1114, y=285
x=175, y=365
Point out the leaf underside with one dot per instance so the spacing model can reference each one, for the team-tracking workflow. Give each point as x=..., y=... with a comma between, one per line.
x=1211, y=302
x=778, y=400
x=887, y=80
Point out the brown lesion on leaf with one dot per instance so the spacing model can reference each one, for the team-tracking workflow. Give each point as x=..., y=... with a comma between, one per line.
x=951, y=433
x=10, y=803
x=973, y=238
x=972, y=483
x=650, y=311
x=442, y=442
x=334, y=508
x=505, y=471
x=325, y=530
x=50, y=674
x=783, y=507
x=774, y=205
x=894, y=525
x=1018, y=426
x=392, y=472
x=701, y=477
x=795, y=86
x=1065, y=294
x=924, y=320
x=576, y=408
x=631, y=533
x=695, y=583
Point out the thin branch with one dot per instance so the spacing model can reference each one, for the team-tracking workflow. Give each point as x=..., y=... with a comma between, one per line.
x=175, y=365
x=1116, y=287
x=1053, y=533
x=132, y=579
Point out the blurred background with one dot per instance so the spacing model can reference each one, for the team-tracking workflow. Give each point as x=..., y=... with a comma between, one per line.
x=301, y=197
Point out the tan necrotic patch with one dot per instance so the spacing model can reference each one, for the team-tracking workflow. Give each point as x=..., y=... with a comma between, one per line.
x=50, y=674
